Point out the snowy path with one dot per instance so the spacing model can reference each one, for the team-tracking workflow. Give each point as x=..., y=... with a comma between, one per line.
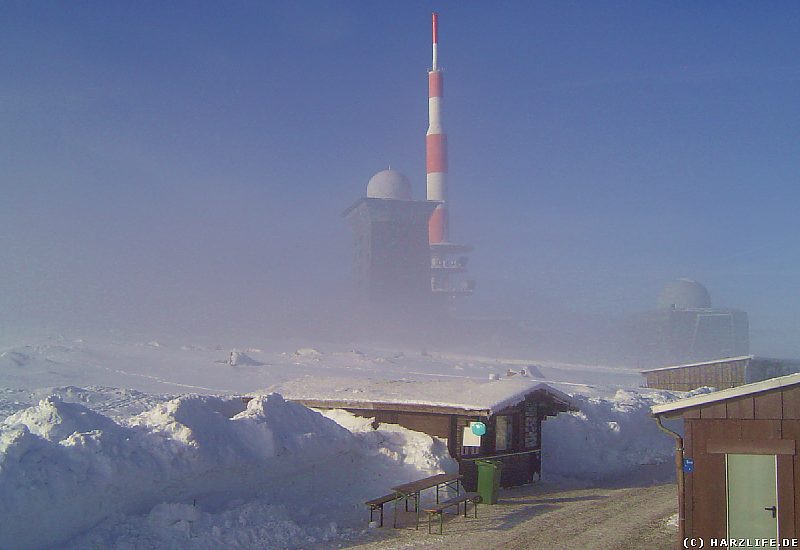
x=545, y=517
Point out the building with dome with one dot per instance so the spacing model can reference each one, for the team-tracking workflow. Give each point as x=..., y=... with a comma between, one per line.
x=389, y=184
x=684, y=294
x=406, y=267
x=392, y=259
x=686, y=328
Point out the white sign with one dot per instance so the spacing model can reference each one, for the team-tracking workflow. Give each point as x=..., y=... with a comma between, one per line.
x=469, y=439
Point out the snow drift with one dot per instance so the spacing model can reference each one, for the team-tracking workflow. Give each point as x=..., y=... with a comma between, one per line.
x=193, y=465
x=609, y=437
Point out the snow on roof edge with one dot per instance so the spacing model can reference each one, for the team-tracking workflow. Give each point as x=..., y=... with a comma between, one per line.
x=519, y=396
x=711, y=362
x=491, y=402
x=730, y=393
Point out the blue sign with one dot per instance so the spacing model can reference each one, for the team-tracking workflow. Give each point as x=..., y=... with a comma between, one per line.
x=688, y=465
x=478, y=428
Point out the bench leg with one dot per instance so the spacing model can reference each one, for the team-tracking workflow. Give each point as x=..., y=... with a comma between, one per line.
x=441, y=523
x=429, y=523
x=381, y=515
x=475, y=504
x=394, y=523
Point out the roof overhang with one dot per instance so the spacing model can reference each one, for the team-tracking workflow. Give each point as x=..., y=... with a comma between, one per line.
x=676, y=408
x=443, y=401
x=389, y=406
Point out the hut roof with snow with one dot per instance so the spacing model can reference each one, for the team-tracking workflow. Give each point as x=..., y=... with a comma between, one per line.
x=453, y=396
x=510, y=410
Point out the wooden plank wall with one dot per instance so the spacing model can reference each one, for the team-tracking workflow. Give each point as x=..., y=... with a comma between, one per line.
x=718, y=375
x=431, y=424
x=748, y=420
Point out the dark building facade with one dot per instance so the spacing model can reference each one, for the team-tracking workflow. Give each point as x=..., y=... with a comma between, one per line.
x=391, y=262
x=392, y=258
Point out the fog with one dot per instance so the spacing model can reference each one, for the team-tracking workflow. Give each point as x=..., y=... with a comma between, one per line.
x=182, y=169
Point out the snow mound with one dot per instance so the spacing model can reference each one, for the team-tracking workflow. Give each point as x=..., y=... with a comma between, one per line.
x=610, y=437
x=177, y=525
x=406, y=447
x=55, y=420
x=196, y=470
x=240, y=358
x=307, y=352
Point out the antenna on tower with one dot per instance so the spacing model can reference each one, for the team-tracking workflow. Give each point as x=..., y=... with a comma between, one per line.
x=435, y=36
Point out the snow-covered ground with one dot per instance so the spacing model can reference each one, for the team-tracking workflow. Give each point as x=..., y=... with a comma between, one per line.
x=118, y=442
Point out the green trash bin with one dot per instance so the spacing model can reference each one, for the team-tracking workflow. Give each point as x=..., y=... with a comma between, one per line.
x=489, y=480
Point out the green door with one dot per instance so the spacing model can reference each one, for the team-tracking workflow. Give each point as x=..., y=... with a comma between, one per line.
x=752, y=496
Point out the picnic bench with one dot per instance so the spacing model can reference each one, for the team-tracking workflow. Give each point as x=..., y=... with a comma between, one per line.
x=377, y=504
x=456, y=501
x=413, y=490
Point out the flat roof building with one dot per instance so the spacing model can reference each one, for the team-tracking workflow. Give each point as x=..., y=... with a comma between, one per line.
x=685, y=328
x=720, y=373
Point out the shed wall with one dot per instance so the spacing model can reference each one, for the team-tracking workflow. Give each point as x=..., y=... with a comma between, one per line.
x=718, y=375
x=766, y=423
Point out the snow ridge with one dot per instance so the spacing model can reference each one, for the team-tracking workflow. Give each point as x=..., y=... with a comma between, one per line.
x=239, y=475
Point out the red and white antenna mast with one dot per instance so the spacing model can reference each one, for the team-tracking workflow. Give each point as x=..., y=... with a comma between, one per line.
x=442, y=249
x=436, y=147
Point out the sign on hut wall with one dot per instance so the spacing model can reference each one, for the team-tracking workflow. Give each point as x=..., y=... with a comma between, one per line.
x=531, y=425
x=472, y=434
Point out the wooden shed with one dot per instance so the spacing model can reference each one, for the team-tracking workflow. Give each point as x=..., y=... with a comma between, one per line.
x=719, y=373
x=738, y=469
x=511, y=409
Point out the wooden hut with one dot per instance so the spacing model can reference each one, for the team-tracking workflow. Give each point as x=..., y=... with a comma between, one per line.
x=738, y=469
x=511, y=409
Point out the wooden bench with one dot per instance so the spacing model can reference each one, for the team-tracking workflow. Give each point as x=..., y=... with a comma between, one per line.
x=415, y=488
x=377, y=504
x=455, y=501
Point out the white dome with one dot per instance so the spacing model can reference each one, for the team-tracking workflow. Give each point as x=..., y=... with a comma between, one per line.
x=684, y=294
x=389, y=184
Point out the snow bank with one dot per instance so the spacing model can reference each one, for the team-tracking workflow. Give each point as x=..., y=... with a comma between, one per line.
x=609, y=437
x=240, y=358
x=406, y=447
x=54, y=420
x=116, y=403
x=197, y=470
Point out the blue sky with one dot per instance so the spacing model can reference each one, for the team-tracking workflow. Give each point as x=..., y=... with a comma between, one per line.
x=191, y=159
